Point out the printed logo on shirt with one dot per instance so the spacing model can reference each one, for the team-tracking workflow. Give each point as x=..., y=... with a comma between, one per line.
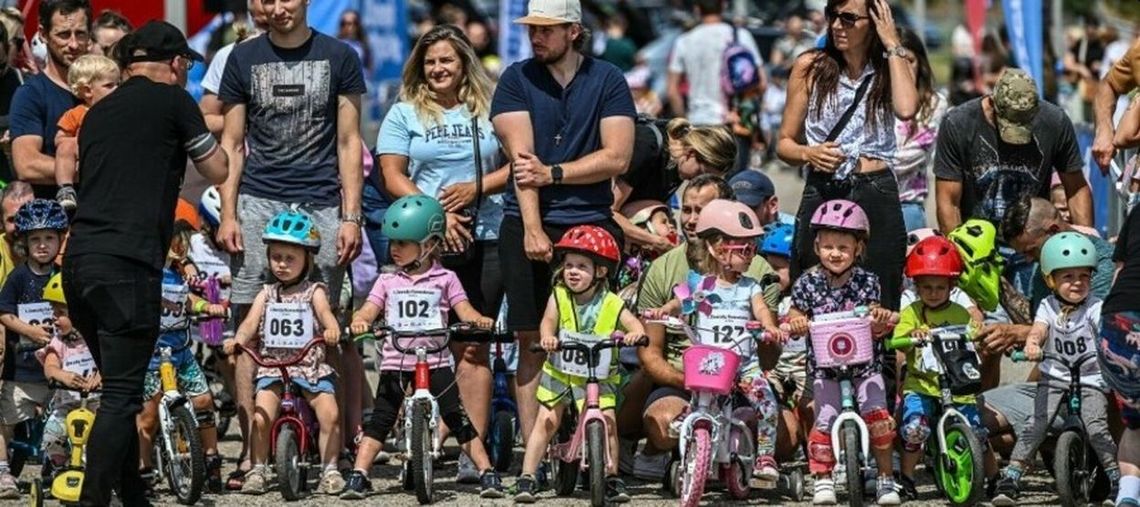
x=290, y=90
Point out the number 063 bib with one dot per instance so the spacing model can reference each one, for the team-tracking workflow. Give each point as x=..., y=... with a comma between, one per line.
x=288, y=325
x=414, y=309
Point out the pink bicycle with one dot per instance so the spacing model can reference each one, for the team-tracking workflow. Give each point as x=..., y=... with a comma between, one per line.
x=566, y=454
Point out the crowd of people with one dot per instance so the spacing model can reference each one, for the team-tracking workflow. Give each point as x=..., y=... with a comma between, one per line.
x=541, y=200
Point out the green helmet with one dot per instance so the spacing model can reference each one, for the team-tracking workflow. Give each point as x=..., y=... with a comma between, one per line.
x=414, y=218
x=1067, y=250
x=982, y=265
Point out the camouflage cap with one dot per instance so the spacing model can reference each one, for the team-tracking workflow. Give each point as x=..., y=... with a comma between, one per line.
x=1015, y=106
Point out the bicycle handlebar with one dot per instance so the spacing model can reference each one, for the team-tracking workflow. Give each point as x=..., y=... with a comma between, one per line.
x=295, y=359
x=753, y=327
x=466, y=330
x=614, y=342
x=1018, y=356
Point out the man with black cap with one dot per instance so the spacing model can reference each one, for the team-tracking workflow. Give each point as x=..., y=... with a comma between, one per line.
x=756, y=190
x=133, y=151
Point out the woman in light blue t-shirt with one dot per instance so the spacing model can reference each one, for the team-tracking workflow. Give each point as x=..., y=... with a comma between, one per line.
x=426, y=146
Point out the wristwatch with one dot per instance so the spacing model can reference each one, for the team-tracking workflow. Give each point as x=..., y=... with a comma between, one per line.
x=899, y=51
x=354, y=218
x=556, y=174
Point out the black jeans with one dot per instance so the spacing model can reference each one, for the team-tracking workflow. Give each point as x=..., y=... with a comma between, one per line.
x=878, y=194
x=482, y=278
x=114, y=304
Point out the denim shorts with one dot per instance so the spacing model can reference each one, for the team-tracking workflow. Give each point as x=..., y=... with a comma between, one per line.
x=324, y=384
x=919, y=405
x=1118, y=352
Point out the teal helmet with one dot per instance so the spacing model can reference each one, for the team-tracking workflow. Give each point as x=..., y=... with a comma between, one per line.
x=415, y=218
x=293, y=227
x=1067, y=250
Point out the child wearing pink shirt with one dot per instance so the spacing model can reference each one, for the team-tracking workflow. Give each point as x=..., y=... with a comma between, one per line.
x=416, y=297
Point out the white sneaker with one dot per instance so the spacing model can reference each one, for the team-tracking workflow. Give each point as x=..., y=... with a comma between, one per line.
x=627, y=454
x=650, y=467
x=824, y=492
x=467, y=472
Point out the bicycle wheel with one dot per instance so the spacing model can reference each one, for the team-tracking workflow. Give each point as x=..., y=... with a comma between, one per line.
x=737, y=474
x=695, y=468
x=421, y=451
x=565, y=473
x=596, y=458
x=186, y=468
x=1070, y=467
x=36, y=493
x=852, y=449
x=960, y=469
x=502, y=441
x=287, y=461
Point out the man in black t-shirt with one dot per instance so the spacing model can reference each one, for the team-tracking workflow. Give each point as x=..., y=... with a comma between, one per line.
x=133, y=151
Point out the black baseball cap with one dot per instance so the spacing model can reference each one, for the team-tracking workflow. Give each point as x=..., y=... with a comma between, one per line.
x=157, y=41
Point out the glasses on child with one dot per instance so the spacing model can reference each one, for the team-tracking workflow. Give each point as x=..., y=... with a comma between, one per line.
x=744, y=249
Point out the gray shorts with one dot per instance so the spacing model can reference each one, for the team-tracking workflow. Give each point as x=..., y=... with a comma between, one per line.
x=249, y=267
x=1015, y=403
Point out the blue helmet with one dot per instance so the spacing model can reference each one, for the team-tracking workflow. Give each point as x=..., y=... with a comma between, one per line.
x=40, y=214
x=778, y=240
x=293, y=227
x=210, y=206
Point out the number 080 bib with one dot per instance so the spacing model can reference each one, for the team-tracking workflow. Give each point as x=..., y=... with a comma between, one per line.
x=414, y=309
x=288, y=325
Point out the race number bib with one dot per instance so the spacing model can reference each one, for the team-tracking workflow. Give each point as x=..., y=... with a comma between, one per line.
x=929, y=361
x=724, y=327
x=174, y=306
x=288, y=325
x=36, y=314
x=1069, y=345
x=415, y=309
x=212, y=266
x=82, y=364
x=576, y=362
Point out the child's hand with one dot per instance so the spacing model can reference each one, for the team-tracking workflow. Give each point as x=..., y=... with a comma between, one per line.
x=1032, y=351
x=777, y=334
x=332, y=335
x=654, y=314
x=216, y=310
x=228, y=346
x=549, y=343
x=484, y=323
x=883, y=316
x=358, y=327
x=631, y=339
x=798, y=326
x=72, y=380
x=920, y=336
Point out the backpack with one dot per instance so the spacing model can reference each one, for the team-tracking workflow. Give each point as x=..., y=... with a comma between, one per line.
x=739, y=71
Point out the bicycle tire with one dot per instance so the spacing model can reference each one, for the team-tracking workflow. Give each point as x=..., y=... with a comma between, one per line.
x=737, y=475
x=564, y=474
x=965, y=484
x=852, y=448
x=421, y=451
x=502, y=441
x=186, y=470
x=1070, y=463
x=596, y=458
x=287, y=461
x=695, y=468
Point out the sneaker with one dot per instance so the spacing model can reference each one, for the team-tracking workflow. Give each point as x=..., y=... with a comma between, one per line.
x=255, y=481
x=214, y=473
x=467, y=472
x=615, y=490
x=651, y=467
x=906, y=488
x=8, y=488
x=765, y=469
x=490, y=485
x=824, y=492
x=1007, y=492
x=886, y=494
x=627, y=455
x=357, y=487
x=332, y=483
x=525, y=489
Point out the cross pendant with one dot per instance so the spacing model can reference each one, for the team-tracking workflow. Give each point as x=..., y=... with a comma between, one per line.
x=558, y=139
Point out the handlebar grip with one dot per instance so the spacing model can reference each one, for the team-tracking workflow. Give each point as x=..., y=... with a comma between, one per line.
x=642, y=342
x=1018, y=356
x=537, y=347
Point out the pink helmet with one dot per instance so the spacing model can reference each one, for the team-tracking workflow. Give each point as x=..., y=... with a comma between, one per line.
x=730, y=218
x=841, y=214
x=913, y=237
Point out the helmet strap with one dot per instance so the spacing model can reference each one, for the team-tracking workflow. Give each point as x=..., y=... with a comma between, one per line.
x=425, y=255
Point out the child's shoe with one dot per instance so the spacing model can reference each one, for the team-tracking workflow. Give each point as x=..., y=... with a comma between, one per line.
x=824, y=492
x=8, y=488
x=256, y=481
x=615, y=490
x=886, y=494
x=906, y=487
x=490, y=485
x=1008, y=488
x=765, y=469
x=214, y=473
x=525, y=489
x=332, y=483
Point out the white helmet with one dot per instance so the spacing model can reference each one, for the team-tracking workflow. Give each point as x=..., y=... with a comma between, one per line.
x=210, y=206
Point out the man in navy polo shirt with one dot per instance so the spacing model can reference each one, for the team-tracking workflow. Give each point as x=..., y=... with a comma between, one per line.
x=566, y=121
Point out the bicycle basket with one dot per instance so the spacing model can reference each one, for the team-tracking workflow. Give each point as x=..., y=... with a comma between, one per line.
x=710, y=369
x=842, y=342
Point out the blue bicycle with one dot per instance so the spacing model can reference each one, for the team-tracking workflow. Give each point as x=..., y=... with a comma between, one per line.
x=505, y=421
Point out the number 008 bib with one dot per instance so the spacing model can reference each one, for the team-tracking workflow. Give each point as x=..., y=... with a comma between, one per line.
x=414, y=309
x=288, y=325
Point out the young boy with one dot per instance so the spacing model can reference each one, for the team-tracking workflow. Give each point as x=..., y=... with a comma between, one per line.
x=91, y=78
x=40, y=226
x=934, y=264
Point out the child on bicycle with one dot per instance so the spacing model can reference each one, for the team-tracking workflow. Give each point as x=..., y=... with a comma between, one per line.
x=205, y=252
x=934, y=266
x=68, y=361
x=728, y=231
x=1067, y=324
x=580, y=303
x=789, y=377
x=957, y=295
x=291, y=241
x=40, y=228
x=178, y=303
x=836, y=285
x=90, y=78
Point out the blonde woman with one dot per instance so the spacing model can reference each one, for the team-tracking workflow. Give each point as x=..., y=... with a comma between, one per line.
x=426, y=146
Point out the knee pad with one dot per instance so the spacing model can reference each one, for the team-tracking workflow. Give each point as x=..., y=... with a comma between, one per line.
x=881, y=427
x=915, y=432
x=821, y=458
x=205, y=418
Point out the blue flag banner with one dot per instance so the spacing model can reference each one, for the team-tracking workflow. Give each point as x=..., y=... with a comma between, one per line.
x=1023, y=22
x=514, y=42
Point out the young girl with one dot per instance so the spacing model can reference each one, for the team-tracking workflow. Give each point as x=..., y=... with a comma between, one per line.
x=580, y=303
x=292, y=242
x=837, y=285
x=414, y=226
x=1066, y=325
x=728, y=232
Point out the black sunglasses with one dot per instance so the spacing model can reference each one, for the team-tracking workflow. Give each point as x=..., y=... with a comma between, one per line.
x=848, y=19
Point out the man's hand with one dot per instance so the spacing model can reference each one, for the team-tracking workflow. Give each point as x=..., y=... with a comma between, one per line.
x=998, y=338
x=457, y=236
x=1103, y=149
x=455, y=198
x=41, y=334
x=229, y=236
x=537, y=245
x=531, y=172
x=348, y=243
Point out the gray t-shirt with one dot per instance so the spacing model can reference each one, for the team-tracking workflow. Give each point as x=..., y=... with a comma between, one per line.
x=995, y=174
x=698, y=54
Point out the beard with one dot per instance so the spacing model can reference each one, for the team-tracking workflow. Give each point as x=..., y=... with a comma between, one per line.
x=58, y=58
x=551, y=57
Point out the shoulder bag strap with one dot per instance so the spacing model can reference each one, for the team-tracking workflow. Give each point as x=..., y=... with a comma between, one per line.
x=843, y=120
x=478, y=165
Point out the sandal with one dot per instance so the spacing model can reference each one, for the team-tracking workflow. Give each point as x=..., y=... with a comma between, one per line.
x=235, y=480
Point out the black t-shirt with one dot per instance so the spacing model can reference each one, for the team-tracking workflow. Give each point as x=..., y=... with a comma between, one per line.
x=9, y=81
x=23, y=286
x=1125, y=293
x=995, y=174
x=133, y=150
x=649, y=173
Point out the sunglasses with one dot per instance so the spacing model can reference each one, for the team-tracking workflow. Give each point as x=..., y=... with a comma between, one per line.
x=745, y=250
x=847, y=19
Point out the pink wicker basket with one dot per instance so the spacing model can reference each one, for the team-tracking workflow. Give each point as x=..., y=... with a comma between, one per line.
x=710, y=369
x=842, y=342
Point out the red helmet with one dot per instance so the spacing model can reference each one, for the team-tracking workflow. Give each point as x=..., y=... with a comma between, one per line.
x=591, y=240
x=934, y=256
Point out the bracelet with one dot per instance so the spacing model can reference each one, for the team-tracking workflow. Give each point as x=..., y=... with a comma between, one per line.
x=354, y=218
x=200, y=306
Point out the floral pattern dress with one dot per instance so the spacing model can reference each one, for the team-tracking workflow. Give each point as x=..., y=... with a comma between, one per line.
x=313, y=367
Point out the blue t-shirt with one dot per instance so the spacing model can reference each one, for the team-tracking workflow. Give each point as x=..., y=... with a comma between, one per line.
x=440, y=155
x=36, y=108
x=566, y=124
x=291, y=115
x=23, y=286
x=175, y=339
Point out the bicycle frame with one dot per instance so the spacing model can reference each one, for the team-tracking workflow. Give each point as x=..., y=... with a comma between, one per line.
x=422, y=392
x=500, y=394
x=295, y=410
x=171, y=398
x=849, y=412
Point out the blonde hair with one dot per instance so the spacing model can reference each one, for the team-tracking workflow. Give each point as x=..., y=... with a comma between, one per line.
x=88, y=68
x=474, y=87
x=715, y=146
x=699, y=256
